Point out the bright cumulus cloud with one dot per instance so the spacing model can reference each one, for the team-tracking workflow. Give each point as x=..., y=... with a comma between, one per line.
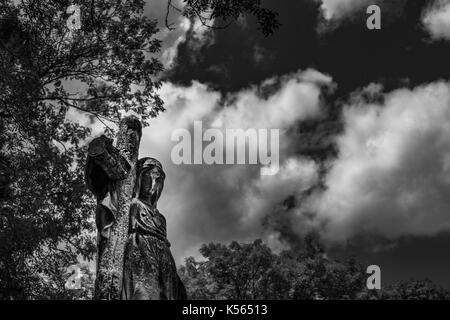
x=437, y=19
x=224, y=203
x=392, y=176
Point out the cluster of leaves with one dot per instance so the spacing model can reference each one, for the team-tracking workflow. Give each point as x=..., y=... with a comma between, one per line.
x=416, y=290
x=228, y=11
x=253, y=271
x=84, y=284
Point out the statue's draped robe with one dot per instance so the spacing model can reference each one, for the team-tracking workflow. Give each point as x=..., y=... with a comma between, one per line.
x=133, y=257
x=149, y=271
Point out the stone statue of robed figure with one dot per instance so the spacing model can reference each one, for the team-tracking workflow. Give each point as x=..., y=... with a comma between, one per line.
x=134, y=261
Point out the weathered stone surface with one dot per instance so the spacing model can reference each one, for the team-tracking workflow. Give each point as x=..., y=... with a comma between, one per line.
x=134, y=259
x=150, y=271
x=110, y=174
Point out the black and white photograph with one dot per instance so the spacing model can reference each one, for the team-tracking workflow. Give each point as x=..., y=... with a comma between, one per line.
x=225, y=150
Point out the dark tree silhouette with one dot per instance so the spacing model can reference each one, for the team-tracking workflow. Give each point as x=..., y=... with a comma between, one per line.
x=253, y=271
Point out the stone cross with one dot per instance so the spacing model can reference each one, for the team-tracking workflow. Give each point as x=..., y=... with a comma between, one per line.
x=111, y=175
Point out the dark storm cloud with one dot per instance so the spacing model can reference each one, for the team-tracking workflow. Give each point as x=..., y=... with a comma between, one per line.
x=404, y=258
x=355, y=56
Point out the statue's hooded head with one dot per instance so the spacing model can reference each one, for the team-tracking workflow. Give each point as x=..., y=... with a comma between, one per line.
x=150, y=178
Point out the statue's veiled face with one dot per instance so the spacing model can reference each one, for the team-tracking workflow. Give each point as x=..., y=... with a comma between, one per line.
x=152, y=183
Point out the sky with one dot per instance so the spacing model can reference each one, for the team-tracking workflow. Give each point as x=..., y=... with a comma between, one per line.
x=364, y=120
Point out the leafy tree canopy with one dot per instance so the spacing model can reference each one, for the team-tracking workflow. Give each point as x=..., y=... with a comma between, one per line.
x=253, y=271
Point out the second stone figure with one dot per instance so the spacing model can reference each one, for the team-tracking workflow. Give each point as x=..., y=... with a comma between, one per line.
x=149, y=268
